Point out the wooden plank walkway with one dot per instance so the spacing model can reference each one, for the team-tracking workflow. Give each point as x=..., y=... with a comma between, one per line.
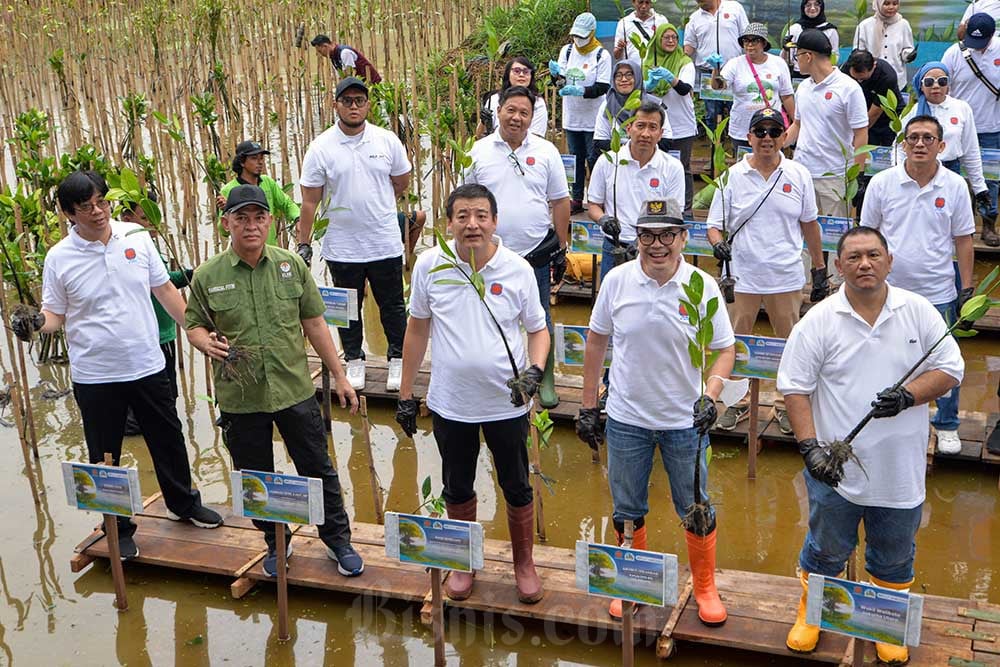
x=761, y=606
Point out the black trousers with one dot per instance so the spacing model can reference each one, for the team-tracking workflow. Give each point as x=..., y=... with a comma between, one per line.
x=249, y=438
x=386, y=279
x=103, y=408
x=458, y=443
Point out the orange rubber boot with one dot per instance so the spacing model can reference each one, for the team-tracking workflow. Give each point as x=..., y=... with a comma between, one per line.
x=802, y=638
x=888, y=653
x=521, y=522
x=701, y=555
x=458, y=585
x=638, y=542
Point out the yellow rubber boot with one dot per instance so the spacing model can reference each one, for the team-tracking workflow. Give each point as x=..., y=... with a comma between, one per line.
x=802, y=638
x=887, y=653
x=638, y=542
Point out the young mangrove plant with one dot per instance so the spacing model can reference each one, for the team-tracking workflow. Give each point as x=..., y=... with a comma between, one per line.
x=620, y=253
x=718, y=184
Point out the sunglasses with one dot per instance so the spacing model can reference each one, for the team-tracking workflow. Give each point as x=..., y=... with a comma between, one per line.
x=353, y=101
x=512, y=158
x=773, y=132
x=930, y=81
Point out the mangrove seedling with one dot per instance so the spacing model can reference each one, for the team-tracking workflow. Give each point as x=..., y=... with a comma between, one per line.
x=620, y=252
x=852, y=170
x=435, y=504
x=889, y=104
x=718, y=184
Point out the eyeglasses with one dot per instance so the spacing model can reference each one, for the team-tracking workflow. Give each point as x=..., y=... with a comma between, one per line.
x=91, y=207
x=624, y=76
x=930, y=81
x=927, y=139
x=666, y=238
x=816, y=5
x=752, y=40
x=517, y=163
x=773, y=132
x=669, y=37
x=522, y=71
x=353, y=101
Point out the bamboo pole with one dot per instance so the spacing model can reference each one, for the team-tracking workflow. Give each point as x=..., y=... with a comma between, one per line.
x=377, y=498
x=114, y=552
x=19, y=420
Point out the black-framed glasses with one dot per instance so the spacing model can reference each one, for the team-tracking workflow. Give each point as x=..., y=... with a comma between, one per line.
x=773, y=132
x=666, y=238
x=512, y=158
x=90, y=207
x=931, y=81
x=927, y=139
x=353, y=101
x=625, y=76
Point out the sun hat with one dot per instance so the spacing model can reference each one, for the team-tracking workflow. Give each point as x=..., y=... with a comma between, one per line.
x=756, y=30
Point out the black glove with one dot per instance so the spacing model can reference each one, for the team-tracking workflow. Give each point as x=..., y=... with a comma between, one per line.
x=705, y=414
x=722, y=251
x=527, y=382
x=558, y=268
x=305, y=251
x=610, y=226
x=911, y=54
x=728, y=288
x=588, y=427
x=559, y=81
x=859, y=196
x=890, y=402
x=25, y=321
x=964, y=296
x=983, y=199
x=815, y=458
x=821, y=285
x=406, y=415
x=188, y=276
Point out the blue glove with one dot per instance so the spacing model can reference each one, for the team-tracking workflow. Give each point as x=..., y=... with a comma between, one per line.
x=554, y=68
x=658, y=80
x=571, y=91
x=715, y=60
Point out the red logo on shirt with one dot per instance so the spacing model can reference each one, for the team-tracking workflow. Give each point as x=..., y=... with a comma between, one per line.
x=129, y=253
x=829, y=96
x=939, y=202
x=682, y=311
x=654, y=182
x=787, y=187
x=954, y=121
x=496, y=289
x=585, y=65
x=725, y=16
x=767, y=76
x=996, y=61
x=530, y=161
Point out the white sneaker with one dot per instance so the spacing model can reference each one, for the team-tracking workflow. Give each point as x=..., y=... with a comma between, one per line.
x=356, y=373
x=395, y=375
x=948, y=442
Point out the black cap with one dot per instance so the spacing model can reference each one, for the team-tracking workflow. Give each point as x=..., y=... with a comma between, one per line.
x=245, y=195
x=248, y=148
x=767, y=114
x=350, y=82
x=812, y=40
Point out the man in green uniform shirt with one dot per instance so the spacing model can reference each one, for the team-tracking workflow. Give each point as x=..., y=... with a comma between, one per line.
x=248, y=165
x=260, y=299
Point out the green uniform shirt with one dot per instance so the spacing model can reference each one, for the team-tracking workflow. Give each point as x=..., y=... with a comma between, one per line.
x=281, y=204
x=260, y=310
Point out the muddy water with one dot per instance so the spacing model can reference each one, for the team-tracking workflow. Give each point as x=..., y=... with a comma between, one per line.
x=49, y=616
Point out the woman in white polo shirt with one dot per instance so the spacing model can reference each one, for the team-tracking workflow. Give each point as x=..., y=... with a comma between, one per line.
x=887, y=35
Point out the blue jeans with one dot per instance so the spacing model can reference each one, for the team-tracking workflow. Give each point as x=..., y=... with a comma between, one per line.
x=630, y=462
x=833, y=534
x=543, y=276
x=715, y=108
x=990, y=140
x=580, y=144
x=607, y=261
x=946, y=418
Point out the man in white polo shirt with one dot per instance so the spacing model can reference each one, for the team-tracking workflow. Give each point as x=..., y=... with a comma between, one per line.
x=618, y=192
x=711, y=38
x=97, y=282
x=642, y=21
x=831, y=120
x=478, y=349
x=655, y=387
x=769, y=208
x=840, y=360
x=924, y=211
x=525, y=173
x=357, y=171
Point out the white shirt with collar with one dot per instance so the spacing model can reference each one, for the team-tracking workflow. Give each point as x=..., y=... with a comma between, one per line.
x=840, y=362
x=629, y=25
x=828, y=112
x=747, y=99
x=680, y=108
x=700, y=32
x=920, y=225
x=358, y=198
x=991, y=7
x=966, y=86
x=655, y=386
x=470, y=367
x=960, y=139
x=767, y=251
x=660, y=178
x=583, y=69
x=523, y=217
x=103, y=292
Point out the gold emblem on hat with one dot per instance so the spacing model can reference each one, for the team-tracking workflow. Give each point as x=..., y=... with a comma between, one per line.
x=655, y=207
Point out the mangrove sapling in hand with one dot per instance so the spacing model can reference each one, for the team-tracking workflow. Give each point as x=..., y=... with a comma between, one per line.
x=721, y=170
x=610, y=225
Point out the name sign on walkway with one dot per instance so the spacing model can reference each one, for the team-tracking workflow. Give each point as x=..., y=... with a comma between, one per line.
x=571, y=342
x=271, y=496
x=341, y=305
x=864, y=611
x=569, y=164
x=758, y=357
x=586, y=236
x=645, y=577
x=104, y=489
x=443, y=544
x=880, y=159
x=697, y=243
x=832, y=229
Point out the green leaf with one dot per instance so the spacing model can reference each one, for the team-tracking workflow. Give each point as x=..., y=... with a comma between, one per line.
x=862, y=150
x=705, y=333
x=205, y=397
x=697, y=284
x=711, y=308
x=479, y=284
x=853, y=171
x=634, y=100
x=711, y=357
x=443, y=244
x=963, y=333
x=616, y=142
x=694, y=352
x=449, y=281
x=708, y=456
x=986, y=286
x=152, y=211
x=425, y=488
x=197, y=640
x=442, y=267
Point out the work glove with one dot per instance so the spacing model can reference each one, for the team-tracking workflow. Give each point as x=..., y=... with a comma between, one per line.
x=909, y=54
x=558, y=267
x=890, y=402
x=588, y=427
x=715, y=61
x=983, y=199
x=305, y=251
x=25, y=321
x=610, y=226
x=406, y=415
x=704, y=414
x=188, y=276
x=554, y=69
x=722, y=251
x=821, y=285
x=728, y=288
x=527, y=381
x=658, y=80
x=963, y=296
x=571, y=91
x=859, y=197
x=486, y=117
x=815, y=458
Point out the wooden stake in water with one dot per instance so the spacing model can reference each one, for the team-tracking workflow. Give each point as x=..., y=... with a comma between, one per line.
x=628, y=648
x=325, y=408
x=376, y=486
x=437, y=617
x=752, y=437
x=279, y=534
x=114, y=552
x=15, y=400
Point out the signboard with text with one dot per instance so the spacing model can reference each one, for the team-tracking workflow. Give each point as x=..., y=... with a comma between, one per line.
x=644, y=577
x=341, y=305
x=832, y=229
x=271, y=496
x=585, y=236
x=100, y=488
x=758, y=356
x=571, y=341
x=569, y=164
x=444, y=544
x=864, y=611
x=697, y=243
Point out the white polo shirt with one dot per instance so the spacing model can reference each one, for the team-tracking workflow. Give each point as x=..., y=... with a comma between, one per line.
x=991, y=7
x=767, y=252
x=960, y=140
x=580, y=113
x=660, y=178
x=103, y=291
x=700, y=32
x=965, y=85
x=358, y=199
x=629, y=25
x=680, y=108
x=840, y=362
x=654, y=384
x=920, y=225
x=775, y=79
x=523, y=200
x=829, y=112
x=603, y=125
x=470, y=368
